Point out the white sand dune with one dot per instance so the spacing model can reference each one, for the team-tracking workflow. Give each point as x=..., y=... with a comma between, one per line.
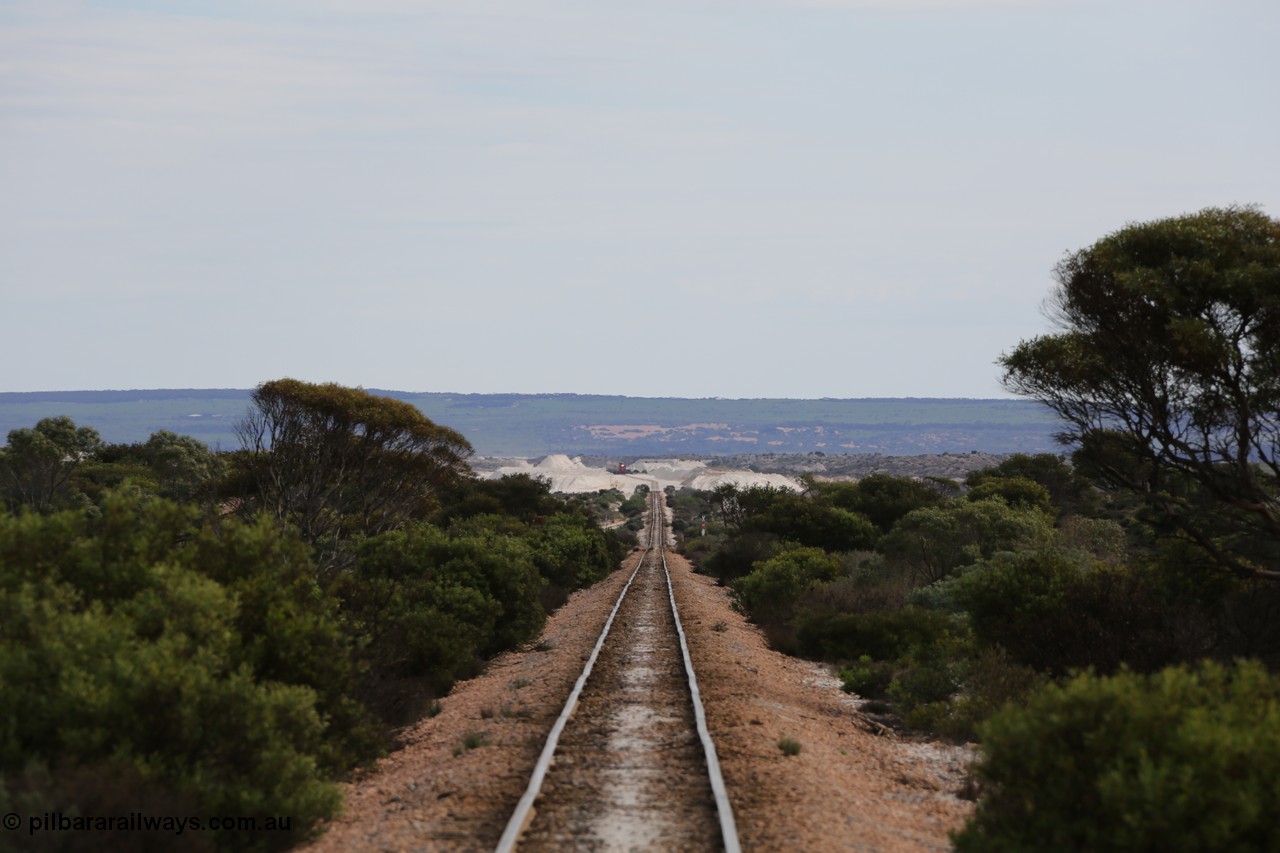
x=743, y=479
x=572, y=476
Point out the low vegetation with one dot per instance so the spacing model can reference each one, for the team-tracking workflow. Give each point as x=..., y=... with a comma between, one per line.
x=789, y=746
x=229, y=634
x=1105, y=624
x=1185, y=759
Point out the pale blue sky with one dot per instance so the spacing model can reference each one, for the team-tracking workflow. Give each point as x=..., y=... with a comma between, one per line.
x=834, y=198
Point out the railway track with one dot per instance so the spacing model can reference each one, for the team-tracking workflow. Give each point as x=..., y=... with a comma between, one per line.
x=629, y=763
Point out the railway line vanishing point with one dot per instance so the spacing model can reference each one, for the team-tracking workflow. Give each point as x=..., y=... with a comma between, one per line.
x=629, y=763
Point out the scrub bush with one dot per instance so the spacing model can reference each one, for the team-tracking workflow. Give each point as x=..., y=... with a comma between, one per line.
x=571, y=552
x=880, y=635
x=1055, y=614
x=119, y=656
x=770, y=592
x=1187, y=759
x=869, y=678
x=882, y=498
x=931, y=543
x=738, y=555
x=426, y=607
x=789, y=746
x=989, y=680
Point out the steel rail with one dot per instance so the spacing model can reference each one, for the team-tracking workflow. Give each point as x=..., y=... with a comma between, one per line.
x=524, y=809
x=728, y=827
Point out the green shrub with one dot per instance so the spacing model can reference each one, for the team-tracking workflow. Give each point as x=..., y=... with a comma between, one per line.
x=931, y=543
x=571, y=552
x=117, y=654
x=1055, y=614
x=739, y=554
x=427, y=606
x=1068, y=490
x=1096, y=538
x=882, y=498
x=293, y=632
x=807, y=522
x=37, y=464
x=988, y=680
x=697, y=549
x=868, y=678
x=941, y=595
x=880, y=635
x=865, y=589
x=1183, y=760
x=1012, y=599
x=618, y=542
x=789, y=746
x=637, y=504
x=771, y=590
x=518, y=496
x=933, y=677
x=918, y=659
x=1015, y=491
x=181, y=465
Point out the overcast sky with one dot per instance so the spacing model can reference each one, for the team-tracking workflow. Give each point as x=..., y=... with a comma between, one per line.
x=837, y=198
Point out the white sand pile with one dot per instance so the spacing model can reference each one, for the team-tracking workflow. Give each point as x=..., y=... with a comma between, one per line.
x=672, y=470
x=742, y=479
x=571, y=476
x=560, y=462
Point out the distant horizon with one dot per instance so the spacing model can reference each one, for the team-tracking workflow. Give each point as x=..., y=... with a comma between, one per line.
x=536, y=424
x=377, y=390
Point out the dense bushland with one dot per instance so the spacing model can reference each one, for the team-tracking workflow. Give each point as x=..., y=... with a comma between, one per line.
x=1088, y=619
x=201, y=632
x=966, y=596
x=1163, y=369
x=1058, y=621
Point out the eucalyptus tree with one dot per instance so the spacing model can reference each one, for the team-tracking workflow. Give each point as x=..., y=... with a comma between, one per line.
x=1166, y=372
x=37, y=463
x=340, y=462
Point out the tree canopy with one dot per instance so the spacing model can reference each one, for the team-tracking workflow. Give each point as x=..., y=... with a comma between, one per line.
x=804, y=520
x=37, y=464
x=336, y=461
x=882, y=498
x=1166, y=372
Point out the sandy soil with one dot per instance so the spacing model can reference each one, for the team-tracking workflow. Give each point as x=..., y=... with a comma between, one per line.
x=848, y=789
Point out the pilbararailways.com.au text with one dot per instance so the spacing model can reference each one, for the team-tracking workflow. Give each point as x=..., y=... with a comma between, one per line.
x=139, y=822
